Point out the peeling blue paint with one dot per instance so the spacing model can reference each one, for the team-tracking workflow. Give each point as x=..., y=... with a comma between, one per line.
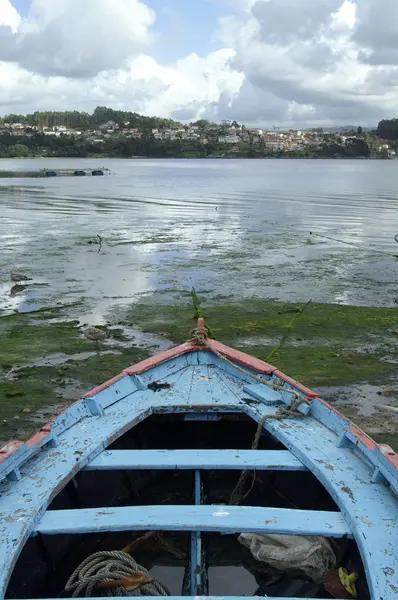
x=360, y=479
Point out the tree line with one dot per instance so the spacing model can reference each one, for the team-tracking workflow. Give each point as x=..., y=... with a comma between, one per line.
x=84, y=121
x=387, y=129
x=38, y=144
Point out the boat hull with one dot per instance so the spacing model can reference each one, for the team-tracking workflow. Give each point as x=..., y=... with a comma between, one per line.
x=205, y=382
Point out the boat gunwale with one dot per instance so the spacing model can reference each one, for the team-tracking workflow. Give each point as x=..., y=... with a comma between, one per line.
x=322, y=413
x=15, y=453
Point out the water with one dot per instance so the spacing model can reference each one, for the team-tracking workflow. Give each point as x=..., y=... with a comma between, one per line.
x=229, y=227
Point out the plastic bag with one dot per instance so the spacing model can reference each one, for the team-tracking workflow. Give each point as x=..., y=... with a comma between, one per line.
x=292, y=554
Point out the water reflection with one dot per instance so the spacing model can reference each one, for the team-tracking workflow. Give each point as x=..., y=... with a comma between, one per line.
x=160, y=230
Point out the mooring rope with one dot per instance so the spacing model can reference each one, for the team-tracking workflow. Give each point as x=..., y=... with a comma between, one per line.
x=285, y=412
x=199, y=335
x=112, y=573
x=370, y=250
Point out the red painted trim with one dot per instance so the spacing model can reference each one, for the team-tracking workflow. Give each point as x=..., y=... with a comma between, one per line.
x=45, y=432
x=162, y=357
x=362, y=437
x=241, y=357
x=9, y=449
x=145, y=365
x=332, y=408
x=309, y=393
x=235, y=355
x=389, y=454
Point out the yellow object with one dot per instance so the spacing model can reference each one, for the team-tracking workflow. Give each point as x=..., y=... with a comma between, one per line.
x=348, y=581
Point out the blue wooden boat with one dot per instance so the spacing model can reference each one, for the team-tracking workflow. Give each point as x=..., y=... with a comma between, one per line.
x=163, y=447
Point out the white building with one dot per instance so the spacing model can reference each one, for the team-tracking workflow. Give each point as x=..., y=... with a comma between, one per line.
x=228, y=139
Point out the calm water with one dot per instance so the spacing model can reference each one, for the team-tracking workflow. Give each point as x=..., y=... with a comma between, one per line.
x=229, y=227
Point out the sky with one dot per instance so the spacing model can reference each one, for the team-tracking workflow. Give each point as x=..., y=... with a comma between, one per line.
x=285, y=63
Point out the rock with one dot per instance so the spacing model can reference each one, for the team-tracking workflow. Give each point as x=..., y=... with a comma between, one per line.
x=388, y=391
x=95, y=334
x=26, y=411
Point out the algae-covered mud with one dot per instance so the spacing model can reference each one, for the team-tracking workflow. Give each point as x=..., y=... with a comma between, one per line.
x=123, y=253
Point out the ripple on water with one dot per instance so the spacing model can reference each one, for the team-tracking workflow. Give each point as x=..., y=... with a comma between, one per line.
x=236, y=227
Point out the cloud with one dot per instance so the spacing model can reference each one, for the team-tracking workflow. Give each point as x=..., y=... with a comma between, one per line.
x=285, y=62
x=284, y=21
x=76, y=39
x=182, y=90
x=314, y=61
x=77, y=55
x=377, y=31
x=9, y=16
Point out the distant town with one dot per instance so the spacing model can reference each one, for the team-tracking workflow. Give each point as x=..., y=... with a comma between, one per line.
x=121, y=134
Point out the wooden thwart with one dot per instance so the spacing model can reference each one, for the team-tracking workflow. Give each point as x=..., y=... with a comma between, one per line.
x=228, y=519
x=265, y=460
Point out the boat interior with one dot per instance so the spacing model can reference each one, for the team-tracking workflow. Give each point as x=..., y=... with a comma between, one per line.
x=188, y=563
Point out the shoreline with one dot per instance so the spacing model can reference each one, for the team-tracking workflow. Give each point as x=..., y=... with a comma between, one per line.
x=6, y=174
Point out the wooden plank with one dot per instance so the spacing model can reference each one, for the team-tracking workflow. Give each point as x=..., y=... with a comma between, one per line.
x=264, y=460
x=196, y=545
x=229, y=519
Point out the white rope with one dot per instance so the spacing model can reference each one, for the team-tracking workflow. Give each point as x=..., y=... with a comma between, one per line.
x=93, y=574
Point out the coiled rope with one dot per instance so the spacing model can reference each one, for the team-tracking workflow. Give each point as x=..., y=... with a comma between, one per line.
x=112, y=573
x=115, y=573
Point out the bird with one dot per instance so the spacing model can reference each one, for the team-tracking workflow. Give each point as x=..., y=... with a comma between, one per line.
x=95, y=334
x=17, y=276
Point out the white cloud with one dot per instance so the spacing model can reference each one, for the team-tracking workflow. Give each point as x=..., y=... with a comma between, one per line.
x=143, y=85
x=78, y=39
x=289, y=62
x=9, y=16
x=314, y=61
x=76, y=55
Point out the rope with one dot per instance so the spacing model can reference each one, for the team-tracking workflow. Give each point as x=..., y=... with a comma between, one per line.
x=199, y=336
x=112, y=573
x=370, y=250
x=282, y=413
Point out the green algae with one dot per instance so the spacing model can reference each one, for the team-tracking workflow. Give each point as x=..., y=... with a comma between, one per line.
x=22, y=341
x=39, y=389
x=321, y=366
x=327, y=345
x=329, y=335
x=99, y=368
x=45, y=361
